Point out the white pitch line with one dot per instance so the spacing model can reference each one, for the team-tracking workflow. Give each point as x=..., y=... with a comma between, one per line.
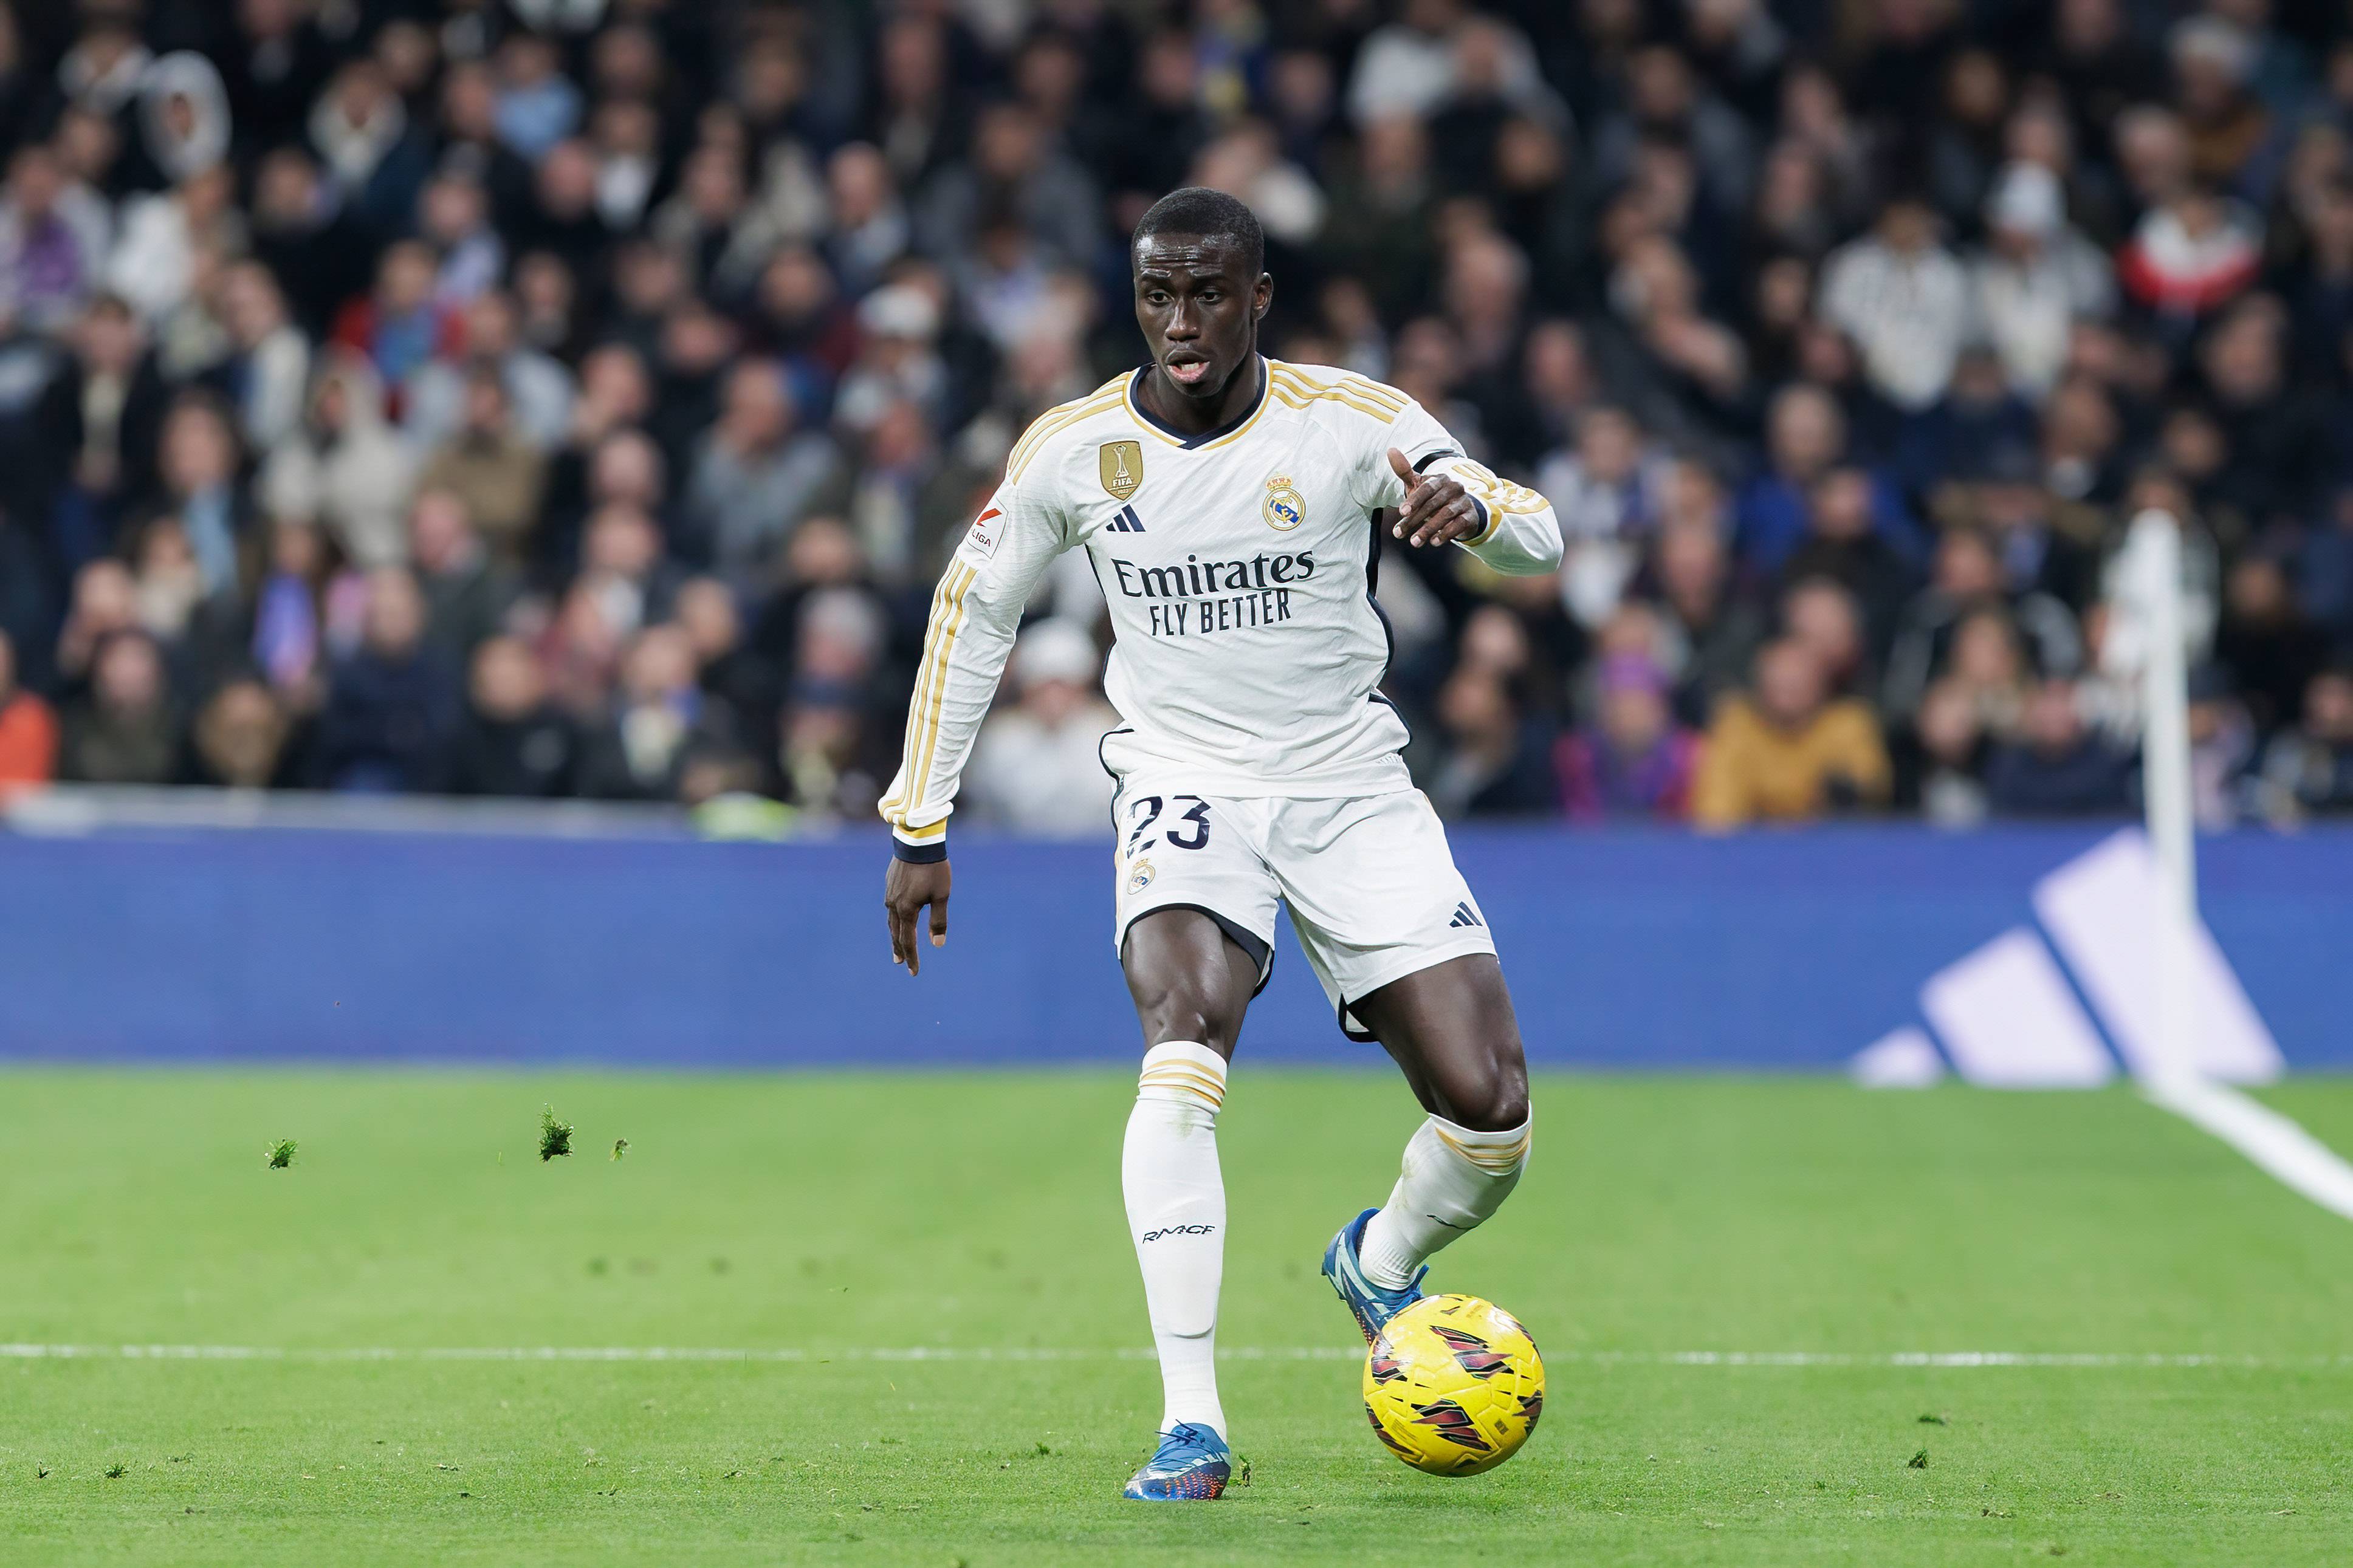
x=2276, y=1143
x=799, y=1355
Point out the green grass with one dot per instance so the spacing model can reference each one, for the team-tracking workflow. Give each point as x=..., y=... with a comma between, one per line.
x=839, y=1214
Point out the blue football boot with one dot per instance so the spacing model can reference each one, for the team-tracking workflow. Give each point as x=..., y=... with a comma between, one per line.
x=1372, y=1304
x=1191, y=1465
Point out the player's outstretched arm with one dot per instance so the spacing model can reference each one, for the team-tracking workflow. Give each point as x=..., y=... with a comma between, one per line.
x=1456, y=501
x=1437, y=510
x=975, y=612
x=907, y=888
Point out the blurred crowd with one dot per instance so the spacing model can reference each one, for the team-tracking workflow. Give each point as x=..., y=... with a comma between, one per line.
x=579, y=397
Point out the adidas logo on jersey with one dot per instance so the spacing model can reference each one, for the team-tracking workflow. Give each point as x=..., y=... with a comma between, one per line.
x=1125, y=522
x=1464, y=915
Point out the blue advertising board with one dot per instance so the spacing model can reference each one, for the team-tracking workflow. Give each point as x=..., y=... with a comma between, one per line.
x=1776, y=950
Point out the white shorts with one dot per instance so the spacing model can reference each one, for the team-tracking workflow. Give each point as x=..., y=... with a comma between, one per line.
x=1372, y=887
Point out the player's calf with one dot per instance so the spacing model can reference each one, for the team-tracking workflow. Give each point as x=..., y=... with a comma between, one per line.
x=1452, y=1180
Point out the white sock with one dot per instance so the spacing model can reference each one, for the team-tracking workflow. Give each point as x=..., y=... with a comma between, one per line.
x=1176, y=1215
x=1452, y=1179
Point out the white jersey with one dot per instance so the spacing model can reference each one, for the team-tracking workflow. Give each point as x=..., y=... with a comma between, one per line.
x=1238, y=568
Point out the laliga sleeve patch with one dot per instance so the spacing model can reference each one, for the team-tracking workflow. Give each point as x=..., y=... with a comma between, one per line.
x=980, y=541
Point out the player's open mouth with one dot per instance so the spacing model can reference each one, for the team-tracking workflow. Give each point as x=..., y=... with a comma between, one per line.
x=1187, y=371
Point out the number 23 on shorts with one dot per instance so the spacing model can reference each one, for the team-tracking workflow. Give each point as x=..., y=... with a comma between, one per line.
x=1146, y=811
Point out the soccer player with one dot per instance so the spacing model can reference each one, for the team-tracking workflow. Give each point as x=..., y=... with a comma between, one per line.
x=1230, y=505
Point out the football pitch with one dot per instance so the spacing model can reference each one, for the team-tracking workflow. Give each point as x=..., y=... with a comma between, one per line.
x=894, y=1320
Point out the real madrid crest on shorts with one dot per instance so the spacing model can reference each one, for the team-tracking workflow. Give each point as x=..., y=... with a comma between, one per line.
x=1140, y=876
x=1122, y=464
x=1284, y=508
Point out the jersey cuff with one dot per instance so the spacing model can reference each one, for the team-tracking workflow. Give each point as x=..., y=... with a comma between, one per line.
x=1490, y=520
x=920, y=846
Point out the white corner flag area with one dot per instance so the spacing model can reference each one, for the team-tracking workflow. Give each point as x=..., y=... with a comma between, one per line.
x=2120, y=921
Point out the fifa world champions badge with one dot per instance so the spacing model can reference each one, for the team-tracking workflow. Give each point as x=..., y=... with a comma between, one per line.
x=1120, y=464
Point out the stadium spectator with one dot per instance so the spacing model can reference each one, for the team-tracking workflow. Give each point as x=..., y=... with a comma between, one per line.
x=1601, y=491
x=513, y=741
x=2057, y=766
x=2269, y=650
x=830, y=747
x=1634, y=762
x=345, y=467
x=268, y=368
x=1788, y=751
x=2307, y=770
x=152, y=262
x=361, y=130
x=493, y=467
x=97, y=427
x=1035, y=768
x=1804, y=437
x=53, y=238
x=1714, y=628
x=1940, y=762
x=1498, y=760
x=307, y=237
x=28, y=730
x=659, y=714
x=2191, y=254
x=240, y=739
x=758, y=474
x=2222, y=749
x=1843, y=545
x=198, y=469
x=726, y=666
x=293, y=605
x=467, y=593
x=1903, y=299
x=2036, y=277
x=1986, y=665
x=489, y=341
x=391, y=704
x=1819, y=613
x=123, y=731
x=398, y=324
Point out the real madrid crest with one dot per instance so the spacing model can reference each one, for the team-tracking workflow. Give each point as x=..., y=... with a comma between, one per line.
x=1284, y=508
x=1121, y=467
x=1140, y=878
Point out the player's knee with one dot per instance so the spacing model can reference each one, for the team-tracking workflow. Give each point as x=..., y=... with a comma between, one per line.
x=1493, y=1100
x=1212, y=1027
x=1175, y=1010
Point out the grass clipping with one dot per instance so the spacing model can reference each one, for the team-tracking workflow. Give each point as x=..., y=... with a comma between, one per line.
x=554, y=1137
x=280, y=1154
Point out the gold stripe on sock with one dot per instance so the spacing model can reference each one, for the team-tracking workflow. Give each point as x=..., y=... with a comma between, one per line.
x=1184, y=1077
x=1495, y=1160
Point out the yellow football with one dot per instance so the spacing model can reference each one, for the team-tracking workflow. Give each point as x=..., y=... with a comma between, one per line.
x=1453, y=1386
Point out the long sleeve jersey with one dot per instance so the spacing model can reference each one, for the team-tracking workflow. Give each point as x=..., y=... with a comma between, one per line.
x=1239, y=566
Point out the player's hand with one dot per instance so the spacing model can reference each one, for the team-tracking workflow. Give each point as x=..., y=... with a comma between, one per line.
x=1437, y=510
x=906, y=889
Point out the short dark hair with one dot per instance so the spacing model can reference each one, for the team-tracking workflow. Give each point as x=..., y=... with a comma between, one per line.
x=1212, y=214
